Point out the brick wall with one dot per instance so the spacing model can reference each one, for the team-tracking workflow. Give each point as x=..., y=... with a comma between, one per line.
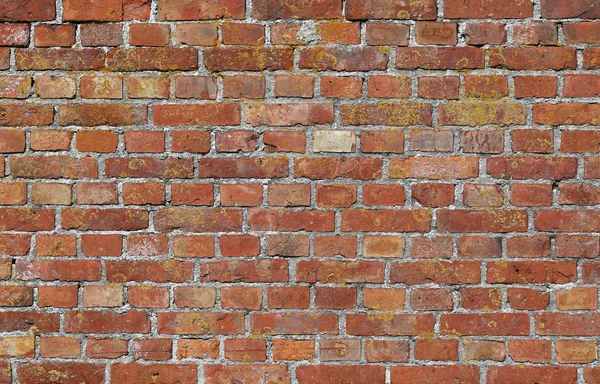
x=299, y=191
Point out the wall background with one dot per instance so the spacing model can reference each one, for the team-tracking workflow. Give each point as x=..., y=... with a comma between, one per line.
x=299, y=191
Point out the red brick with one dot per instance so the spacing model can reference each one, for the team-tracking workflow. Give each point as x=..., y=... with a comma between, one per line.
x=294, y=86
x=16, y=35
x=253, y=373
x=428, y=140
x=284, y=349
x=577, y=298
x=242, y=86
x=566, y=221
x=239, y=245
x=312, y=271
x=334, y=32
x=248, y=59
x=14, y=245
x=393, y=325
x=426, y=247
x=441, y=272
x=288, y=220
x=535, y=351
x=41, y=10
x=56, y=245
x=482, y=195
x=101, y=35
x=146, y=296
x=71, y=372
x=152, y=35
x=200, y=323
x=59, y=59
x=537, y=33
x=249, y=271
x=54, y=35
x=398, y=114
x=152, y=59
x=381, y=9
x=528, y=246
x=559, y=9
x=531, y=272
x=246, y=349
x=15, y=87
x=429, y=32
x=142, y=373
x=197, y=34
x=148, y=87
x=513, y=374
x=147, y=167
x=485, y=299
x=434, y=168
x=64, y=296
x=439, y=58
x=436, y=349
x=147, y=245
x=190, y=141
x=386, y=220
x=237, y=141
x=104, y=220
x=13, y=193
x=331, y=168
x=391, y=141
x=197, y=348
x=296, y=9
x=143, y=141
x=243, y=34
x=439, y=87
x=532, y=167
x=335, y=297
x=383, y=195
x=96, y=193
x=106, y=348
x=491, y=324
x=65, y=347
x=193, y=246
x=196, y=87
x=26, y=219
x=287, y=245
x=532, y=140
x=198, y=10
x=288, y=297
x=343, y=59
x=384, y=299
x=177, y=115
x=431, y=299
x=330, y=246
x=195, y=297
x=482, y=33
x=533, y=58
x=158, y=271
x=535, y=86
x=341, y=87
x=15, y=115
x=241, y=297
x=582, y=32
x=433, y=195
x=294, y=323
x=16, y=296
x=65, y=270
x=102, y=114
x=336, y=195
x=479, y=247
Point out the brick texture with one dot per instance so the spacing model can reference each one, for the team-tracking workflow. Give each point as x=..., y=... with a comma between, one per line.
x=299, y=191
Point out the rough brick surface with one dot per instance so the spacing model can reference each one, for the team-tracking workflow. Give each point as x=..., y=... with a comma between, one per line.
x=299, y=191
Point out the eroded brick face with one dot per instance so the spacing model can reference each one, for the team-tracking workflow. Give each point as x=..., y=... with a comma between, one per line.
x=299, y=191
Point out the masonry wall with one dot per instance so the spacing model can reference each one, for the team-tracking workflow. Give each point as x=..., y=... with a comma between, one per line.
x=299, y=191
